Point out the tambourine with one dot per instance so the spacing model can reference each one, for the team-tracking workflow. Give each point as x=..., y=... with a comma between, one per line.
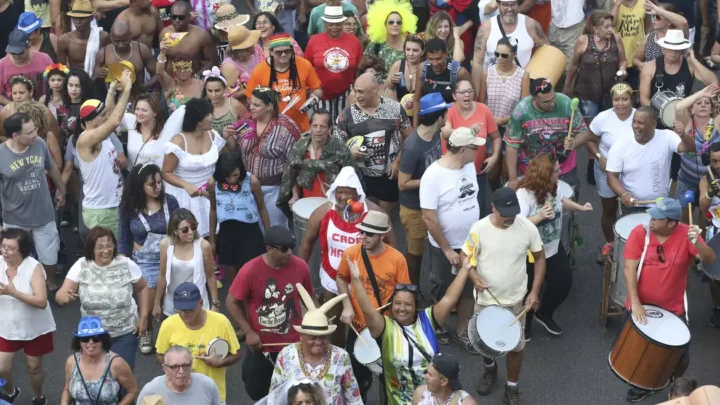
x=218, y=347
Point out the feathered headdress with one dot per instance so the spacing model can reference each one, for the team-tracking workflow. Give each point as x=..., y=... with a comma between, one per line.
x=378, y=13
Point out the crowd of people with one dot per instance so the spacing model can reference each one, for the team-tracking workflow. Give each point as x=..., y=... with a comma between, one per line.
x=178, y=138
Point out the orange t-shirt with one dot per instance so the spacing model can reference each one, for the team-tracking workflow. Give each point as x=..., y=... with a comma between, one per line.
x=309, y=81
x=390, y=268
x=482, y=116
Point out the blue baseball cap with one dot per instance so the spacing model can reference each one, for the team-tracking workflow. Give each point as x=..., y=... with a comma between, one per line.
x=90, y=326
x=29, y=22
x=186, y=296
x=431, y=103
x=669, y=208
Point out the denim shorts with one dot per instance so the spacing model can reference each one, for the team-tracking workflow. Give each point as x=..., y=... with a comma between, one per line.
x=601, y=182
x=680, y=190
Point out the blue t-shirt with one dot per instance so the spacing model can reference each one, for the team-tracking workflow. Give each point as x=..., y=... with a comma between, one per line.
x=417, y=155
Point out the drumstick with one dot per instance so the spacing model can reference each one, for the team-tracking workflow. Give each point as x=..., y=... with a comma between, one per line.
x=493, y=297
x=519, y=316
x=689, y=197
x=573, y=107
x=290, y=104
x=645, y=202
x=358, y=335
x=385, y=306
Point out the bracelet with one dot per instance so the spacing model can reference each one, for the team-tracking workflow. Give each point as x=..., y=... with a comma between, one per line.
x=112, y=93
x=216, y=304
x=623, y=196
x=161, y=60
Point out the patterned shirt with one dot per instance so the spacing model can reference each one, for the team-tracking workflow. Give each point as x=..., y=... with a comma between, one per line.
x=339, y=384
x=384, y=123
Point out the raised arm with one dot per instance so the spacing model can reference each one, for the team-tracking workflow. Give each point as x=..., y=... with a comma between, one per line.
x=375, y=321
x=683, y=106
x=89, y=139
x=478, y=60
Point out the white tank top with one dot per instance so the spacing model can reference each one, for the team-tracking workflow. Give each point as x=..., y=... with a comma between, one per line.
x=525, y=41
x=715, y=210
x=102, y=179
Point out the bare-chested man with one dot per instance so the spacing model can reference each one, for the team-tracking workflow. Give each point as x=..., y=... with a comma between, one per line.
x=144, y=21
x=198, y=44
x=72, y=47
x=123, y=48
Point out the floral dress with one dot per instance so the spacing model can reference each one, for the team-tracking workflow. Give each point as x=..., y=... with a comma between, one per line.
x=338, y=382
x=176, y=99
x=388, y=54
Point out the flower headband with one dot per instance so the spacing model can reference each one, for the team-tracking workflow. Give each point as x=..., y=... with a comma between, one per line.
x=23, y=79
x=214, y=73
x=55, y=66
x=419, y=35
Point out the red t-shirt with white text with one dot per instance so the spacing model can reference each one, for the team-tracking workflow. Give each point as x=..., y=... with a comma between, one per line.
x=662, y=284
x=335, y=60
x=272, y=299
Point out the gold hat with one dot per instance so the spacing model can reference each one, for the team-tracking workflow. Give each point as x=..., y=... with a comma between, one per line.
x=315, y=321
x=116, y=70
x=240, y=37
x=82, y=9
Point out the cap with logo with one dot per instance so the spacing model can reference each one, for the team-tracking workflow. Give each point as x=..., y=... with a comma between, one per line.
x=669, y=208
x=186, y=296
x=506, y=202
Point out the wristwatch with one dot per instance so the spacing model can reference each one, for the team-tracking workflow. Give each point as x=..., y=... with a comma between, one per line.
x=598, y=155
x=216, y=304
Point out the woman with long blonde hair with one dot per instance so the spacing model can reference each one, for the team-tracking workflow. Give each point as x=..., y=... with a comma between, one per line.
x=541, y=204
x=442, y=26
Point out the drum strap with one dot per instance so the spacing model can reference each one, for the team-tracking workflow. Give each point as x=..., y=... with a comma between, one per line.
x=659, y=72
x=502, y=31
x=371, y=276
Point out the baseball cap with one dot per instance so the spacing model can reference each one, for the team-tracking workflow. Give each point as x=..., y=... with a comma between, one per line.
x=186, y=296
x=506, y=202
x=18, y=42
x=669, y=208
x=449, y=367
x=279, y=236
x=464, y=137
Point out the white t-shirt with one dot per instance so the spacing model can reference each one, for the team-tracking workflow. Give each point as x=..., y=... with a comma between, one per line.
x=152, y=151
x=453, y=195
x=566, y=13
x=551, y=229
x=610, y=129
x=499, y=256
x=644, y=169
x=483, y=16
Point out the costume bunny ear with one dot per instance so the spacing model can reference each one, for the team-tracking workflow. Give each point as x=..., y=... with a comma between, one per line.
x=329, y=304
x=307, y=300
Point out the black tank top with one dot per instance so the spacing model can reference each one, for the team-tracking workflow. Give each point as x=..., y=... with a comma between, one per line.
x=680, y=83
x=439, y=83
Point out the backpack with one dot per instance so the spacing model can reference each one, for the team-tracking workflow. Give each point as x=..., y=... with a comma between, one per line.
x=454, y=67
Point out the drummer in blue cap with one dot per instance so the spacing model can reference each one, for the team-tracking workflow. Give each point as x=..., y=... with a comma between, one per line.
x=91, y=361
x=668, y=250
x=40, y=40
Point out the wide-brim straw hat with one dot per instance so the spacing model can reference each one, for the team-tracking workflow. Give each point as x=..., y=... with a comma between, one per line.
x=240, y=37
x=227, y=16
x=82, y=9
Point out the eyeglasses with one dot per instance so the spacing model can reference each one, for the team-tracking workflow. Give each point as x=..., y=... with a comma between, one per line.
x=406, y=287
x=508, y=4
x=502, y=55
x=86, y=339
x=351, y=25
x=185, y=229
x=283, y=52
x=368, y=234
x=105, y=247
x=8, y=249
x=177, y=367
x=548, y=102
x=178, y=17
x=394, y=22
x=661, y=254
x=283, y=249
x=468, y=91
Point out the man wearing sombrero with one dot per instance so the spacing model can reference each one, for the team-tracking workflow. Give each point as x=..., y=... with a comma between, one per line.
x=316, y=358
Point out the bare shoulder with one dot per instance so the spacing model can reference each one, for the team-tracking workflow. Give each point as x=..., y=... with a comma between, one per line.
x=205, y=246
x=166, y=30
x=164, y=243
x=178, y=140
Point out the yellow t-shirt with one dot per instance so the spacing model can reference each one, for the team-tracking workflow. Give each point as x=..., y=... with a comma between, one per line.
x=41, y=11
x=630, y=25
x=174, y=332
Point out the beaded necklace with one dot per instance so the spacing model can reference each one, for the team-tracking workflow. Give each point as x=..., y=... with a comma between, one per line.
x=303, y=363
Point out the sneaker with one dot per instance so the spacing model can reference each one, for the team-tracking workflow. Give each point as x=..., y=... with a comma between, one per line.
x=604, y=252
x=146, y=343
x=512, y=395
x=488, y=380
x=715, y=317
x=636, y=394
x=40, y=401
x=442, y=336
x=465, y=343
x=13, y=397
x=549, y=324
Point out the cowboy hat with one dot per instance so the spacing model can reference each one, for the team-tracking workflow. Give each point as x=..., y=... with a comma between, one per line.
x=375, y=222
x=227, y=16
x=333, y=14
x=315, y=321
x=675, y=40
x=240, y=37
x=81, y=9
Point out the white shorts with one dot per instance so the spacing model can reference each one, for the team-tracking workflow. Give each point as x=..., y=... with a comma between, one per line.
x=46, y=239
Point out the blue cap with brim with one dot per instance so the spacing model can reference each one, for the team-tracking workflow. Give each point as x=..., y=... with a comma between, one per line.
x=90, y=326
x=186, y=296
x=669, y=208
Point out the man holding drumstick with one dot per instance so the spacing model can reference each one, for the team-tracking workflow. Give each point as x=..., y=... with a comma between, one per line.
x=497, y=247
x=669, y=250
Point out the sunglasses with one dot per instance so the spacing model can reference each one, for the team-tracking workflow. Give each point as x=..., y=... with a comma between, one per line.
x=86, y=339
x=185, y=229
x=283, y=249
x=284, y=52
x=656, y=18
x=502, y=55
x=368, y=234
x=394, y=22
x=406, y=287
x=178, y=17
x=661, y=254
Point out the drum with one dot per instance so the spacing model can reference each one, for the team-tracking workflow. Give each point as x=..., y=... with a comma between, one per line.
x=302, y=209
x=664, y=103
x=713, y=269
x=622, y=229
x=218, y=347
x=490, y=332
x=369, y=353
x=548, y=62
x=645, y=356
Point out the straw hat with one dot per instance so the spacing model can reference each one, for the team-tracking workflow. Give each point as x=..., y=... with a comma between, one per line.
x=153, y=400
x=81, y=9
x=333, y=14
x=315, y=322
x=375, y=222
x=675, y=40
x=227, y=16
x=115, y=71
x=240, y=37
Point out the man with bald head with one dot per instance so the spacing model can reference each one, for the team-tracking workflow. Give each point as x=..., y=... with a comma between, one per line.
x=383, y=125
x=123, y=49
x=198, y=44
x=144, y=21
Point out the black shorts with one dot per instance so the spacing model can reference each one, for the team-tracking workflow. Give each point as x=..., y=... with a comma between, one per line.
x=383, y=188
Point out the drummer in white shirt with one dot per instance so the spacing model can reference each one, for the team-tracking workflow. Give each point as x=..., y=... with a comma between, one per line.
x=668, y=253
x=638, y=167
